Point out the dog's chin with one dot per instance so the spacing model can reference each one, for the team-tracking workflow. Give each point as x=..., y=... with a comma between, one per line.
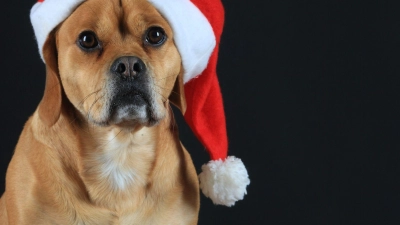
x=133, y=115
x=132, y=110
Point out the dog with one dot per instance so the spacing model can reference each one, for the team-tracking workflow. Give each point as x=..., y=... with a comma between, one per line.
x=102, y=146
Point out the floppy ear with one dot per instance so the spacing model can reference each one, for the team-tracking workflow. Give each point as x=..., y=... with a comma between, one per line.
x=50, y=106
x=177, y=96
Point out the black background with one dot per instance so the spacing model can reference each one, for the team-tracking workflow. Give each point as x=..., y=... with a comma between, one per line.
x=311, y=91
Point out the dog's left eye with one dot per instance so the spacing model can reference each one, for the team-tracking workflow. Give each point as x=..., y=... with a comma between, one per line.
x=155, y=36
x=88, y=40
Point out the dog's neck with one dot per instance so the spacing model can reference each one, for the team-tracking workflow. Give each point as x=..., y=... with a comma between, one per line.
x=119, y=159
x=117, y=162
x=116, y=165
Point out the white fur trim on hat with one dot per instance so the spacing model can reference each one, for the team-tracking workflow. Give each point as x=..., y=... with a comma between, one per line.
x=46, y=15
x=224, y=181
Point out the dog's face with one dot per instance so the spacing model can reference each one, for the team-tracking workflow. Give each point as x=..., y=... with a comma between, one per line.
x=117, y=62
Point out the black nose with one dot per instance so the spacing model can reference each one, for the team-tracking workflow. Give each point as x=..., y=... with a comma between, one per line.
x=128, y=66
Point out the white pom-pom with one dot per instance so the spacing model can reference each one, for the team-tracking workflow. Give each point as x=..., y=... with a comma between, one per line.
x=224, y=181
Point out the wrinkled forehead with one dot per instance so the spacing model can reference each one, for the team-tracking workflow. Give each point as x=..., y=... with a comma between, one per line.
x=105, y=16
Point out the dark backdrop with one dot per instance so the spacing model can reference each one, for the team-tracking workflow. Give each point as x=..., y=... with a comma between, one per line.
x=311, y=91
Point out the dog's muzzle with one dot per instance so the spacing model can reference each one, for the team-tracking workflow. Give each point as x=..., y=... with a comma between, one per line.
x=131, y=98
x=130, y=81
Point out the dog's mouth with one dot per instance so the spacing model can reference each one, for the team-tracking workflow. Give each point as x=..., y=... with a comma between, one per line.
x=132, y=107
x=133, y=97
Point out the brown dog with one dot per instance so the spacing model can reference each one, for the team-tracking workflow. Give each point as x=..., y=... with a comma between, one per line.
x=102, y=146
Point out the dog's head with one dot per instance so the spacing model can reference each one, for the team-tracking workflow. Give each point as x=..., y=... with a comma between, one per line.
x=116, y=62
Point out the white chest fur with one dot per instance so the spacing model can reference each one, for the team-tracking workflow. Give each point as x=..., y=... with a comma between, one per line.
x=115, y=164
x=124, y=160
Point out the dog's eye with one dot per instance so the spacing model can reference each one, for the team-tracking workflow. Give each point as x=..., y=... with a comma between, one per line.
x=88, y=40
x=155, y=36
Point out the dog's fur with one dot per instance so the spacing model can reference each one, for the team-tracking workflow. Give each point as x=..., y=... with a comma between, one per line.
x=92, y=153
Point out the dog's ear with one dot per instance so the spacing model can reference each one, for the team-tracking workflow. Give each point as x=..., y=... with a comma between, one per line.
x=177, y=96
x=50, y=106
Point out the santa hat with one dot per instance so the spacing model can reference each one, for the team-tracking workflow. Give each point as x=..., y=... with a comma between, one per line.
x=223, y=179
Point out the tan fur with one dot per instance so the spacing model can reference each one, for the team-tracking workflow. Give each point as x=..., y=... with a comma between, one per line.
x=70, y=165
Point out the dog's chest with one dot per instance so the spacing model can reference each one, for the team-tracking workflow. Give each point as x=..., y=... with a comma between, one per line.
x=121, y=164
x=116, y=165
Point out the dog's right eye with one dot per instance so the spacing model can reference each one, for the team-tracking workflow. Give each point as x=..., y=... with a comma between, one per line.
x=88, y=40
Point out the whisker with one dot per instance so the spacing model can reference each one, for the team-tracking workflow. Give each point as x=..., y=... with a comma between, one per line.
x=87, y=96
x=91, y=107
x=163, y=78
x=162, y=96
x=172, y=91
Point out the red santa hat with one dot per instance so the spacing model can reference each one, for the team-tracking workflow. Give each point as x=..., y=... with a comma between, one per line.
x=224, y=178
